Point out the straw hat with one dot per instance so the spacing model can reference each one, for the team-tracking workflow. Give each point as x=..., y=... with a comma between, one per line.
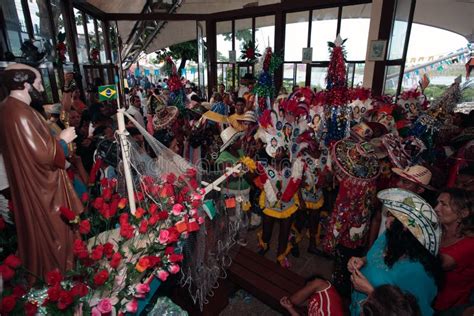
x=415, y=214
x=249, y=116
x=417, y=174
x=228, y=136
x=165, y=117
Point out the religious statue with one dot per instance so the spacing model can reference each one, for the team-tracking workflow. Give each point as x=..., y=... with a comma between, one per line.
x=35, y=164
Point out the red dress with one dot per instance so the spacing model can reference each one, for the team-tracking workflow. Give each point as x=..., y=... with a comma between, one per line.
x=459, y=282
x=325, y=302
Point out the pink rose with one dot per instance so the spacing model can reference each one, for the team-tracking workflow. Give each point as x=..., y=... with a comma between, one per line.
x=132, y=306
x=196, y=196
x=141, y=290
x=192, y=211
x=177, y=209
x=164, y=236
x=200, y=220
x=104, y=306
x=173, y=268
x=95, y=312
x=162, y=275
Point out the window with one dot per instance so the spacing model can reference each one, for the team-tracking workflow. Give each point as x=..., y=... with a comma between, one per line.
x=399, y=32
x=296, y=35
x=15, y=25
x=82, y=53
x=392, y=74
x=355, y=23
x=323, y=30
x=318, y=77
x=223, y=40
x=265, y=32
x=243, y=34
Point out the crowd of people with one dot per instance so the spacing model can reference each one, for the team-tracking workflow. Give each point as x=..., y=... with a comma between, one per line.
x=391, y=202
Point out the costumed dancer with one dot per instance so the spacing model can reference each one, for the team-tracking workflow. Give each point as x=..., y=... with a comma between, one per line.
x=348, y=228
x=35, y=164
x=279, y=179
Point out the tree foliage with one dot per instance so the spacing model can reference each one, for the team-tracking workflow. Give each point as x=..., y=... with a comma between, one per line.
x=184, y=51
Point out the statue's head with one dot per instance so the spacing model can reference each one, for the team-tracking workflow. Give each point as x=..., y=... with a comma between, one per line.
x=24, y=79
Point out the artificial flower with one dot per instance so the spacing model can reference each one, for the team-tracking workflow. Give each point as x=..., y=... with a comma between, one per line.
x=139, y=212
x=54, y=292
x=18, y=291
x=143, y=227
x=123, y=202
x=97, y=253
x=162, y=275
x=79, y=290
x=65, y=299
x=85, y=197
x=68, y=214
x=84, y=227
x=173, y=268
x=6, y=272
x=163, y=237
x=115, y=261
x=132, y=306
x=12, y=261
x=8, y=304
x=54, y=277
x=104, y=306
x=80, y=249
x=101, y=277
x=141, y=290
x=108, y=250
x=177, y=209
x=30, y=309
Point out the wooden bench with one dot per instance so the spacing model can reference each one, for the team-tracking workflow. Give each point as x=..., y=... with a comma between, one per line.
x=264, y=279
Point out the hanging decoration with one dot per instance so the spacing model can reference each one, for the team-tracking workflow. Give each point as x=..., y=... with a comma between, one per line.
x=264, y=89
x=250, y=53
x=337, y=95
x=61, y=49
x=177, y=96
x=94, y=55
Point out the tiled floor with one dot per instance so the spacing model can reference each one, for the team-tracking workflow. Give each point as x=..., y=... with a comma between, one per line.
x=306, y=265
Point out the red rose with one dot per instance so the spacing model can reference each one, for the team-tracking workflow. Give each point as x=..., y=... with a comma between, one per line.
x=196, y=203
x=170, y=178
x=127, y=231
x=8, y=304
x=162, y=215
x=85, y=197
x=123, y=218
x=143, y=227
x=153, y=209
x=54, y=277
x=80, y=249
x=105, y=211
x=97, y=253
x=193, y=183
x=101, y=277
x=153, y=220
x=107, y=194
x=30, y=309
x=104, y=182
x=2, y=223
x=98, y=202
x=19, y=291
x=6, y=272
x=114, y=206
x=169, y=250
x=54, y=292
x=191, y=173
x=174, y=234
x=84, y=227
x=167, y=191
x=67, y=213
x=12, y=261
x=79, y=290
x=65, y=299
x=175, y=257
x=115, y=262
x=138, y=196
x=108, y=250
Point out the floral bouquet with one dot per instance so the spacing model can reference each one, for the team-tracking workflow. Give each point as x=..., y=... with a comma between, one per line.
x=118, y=254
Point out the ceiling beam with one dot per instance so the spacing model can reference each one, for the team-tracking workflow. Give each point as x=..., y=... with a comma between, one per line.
x=89, y=9
x=155, y=16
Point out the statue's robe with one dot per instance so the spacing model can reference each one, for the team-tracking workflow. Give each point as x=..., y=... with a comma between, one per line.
x=39, y=185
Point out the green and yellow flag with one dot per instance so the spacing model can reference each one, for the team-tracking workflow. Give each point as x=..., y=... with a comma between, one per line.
x=107, y=93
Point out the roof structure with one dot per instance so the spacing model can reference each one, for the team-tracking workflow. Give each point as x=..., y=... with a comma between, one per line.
x=178, y=17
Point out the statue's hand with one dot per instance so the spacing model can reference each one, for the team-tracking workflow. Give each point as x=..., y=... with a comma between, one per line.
x=68, y=134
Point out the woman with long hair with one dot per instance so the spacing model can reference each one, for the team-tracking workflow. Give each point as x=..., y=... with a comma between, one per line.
x=455, y=211
x=404, y=255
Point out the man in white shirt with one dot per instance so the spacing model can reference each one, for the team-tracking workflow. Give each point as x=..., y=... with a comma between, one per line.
x=134, y=109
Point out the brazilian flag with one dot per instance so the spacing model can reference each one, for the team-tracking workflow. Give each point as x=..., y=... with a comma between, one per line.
x=107, y=93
